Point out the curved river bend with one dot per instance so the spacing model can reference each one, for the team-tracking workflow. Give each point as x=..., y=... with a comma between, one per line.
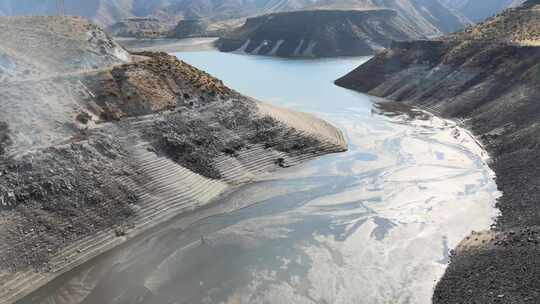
x=372, y=225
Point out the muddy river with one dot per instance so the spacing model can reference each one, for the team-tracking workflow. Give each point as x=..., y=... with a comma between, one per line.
x=372, y=225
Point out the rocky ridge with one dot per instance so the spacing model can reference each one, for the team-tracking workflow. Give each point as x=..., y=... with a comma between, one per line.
x=487, y=77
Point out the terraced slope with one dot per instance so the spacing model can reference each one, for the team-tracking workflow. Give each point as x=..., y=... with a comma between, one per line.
x=122, y=148
x=488, y=77
x=318, y=33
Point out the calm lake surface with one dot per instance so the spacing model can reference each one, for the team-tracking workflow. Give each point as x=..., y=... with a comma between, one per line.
x=372, y=225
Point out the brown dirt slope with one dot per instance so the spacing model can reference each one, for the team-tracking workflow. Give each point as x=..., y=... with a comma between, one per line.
x=488, y=78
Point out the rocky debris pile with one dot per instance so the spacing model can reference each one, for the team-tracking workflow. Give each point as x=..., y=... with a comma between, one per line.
x=521, y=237
x=58, y=195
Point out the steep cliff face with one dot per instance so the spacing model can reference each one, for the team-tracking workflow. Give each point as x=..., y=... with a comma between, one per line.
x=319, y=33
x=94, y=152
x=487, y=76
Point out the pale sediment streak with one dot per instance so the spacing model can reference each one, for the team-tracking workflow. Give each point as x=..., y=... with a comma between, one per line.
x=242, y=49
x=309, y=50
x=276, y=47
x=298, y=48
x=258, y=49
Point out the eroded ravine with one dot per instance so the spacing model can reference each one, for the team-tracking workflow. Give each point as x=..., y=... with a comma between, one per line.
x=372, y=225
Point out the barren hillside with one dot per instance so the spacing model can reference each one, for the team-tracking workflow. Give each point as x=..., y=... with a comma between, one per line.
x=98, y=145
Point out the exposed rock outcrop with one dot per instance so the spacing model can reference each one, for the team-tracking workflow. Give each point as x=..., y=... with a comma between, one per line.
x=318, y=33
x=488, y=77
x=96, y=156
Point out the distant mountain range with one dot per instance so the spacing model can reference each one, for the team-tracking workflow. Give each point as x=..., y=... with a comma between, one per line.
x=430, y=17
x=478, y=10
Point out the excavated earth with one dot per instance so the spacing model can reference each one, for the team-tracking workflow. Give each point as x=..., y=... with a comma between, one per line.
x=97, y=151
x=488, y=78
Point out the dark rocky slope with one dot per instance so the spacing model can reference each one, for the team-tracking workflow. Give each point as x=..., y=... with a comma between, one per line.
x=98, y=150
x=488, y=76
x=319, y=33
